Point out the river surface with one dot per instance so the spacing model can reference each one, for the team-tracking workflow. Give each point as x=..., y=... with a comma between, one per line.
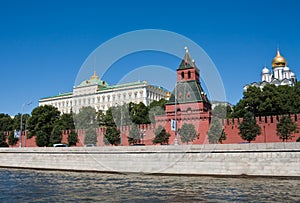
x=57, y=186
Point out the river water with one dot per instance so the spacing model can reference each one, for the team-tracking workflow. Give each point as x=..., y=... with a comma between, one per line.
x=56, y=186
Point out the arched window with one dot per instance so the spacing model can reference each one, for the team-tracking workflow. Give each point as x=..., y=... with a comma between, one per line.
x=189, y=74
x=182, y=75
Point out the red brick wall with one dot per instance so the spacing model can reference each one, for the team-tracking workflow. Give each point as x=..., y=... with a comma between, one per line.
x=268, y=129
x=201, y=123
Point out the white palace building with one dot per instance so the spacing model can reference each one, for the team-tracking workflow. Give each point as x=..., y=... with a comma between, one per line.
x=98, y=94
x=282, y=74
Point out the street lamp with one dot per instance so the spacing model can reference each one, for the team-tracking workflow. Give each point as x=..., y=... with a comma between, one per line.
x=25, y=104
x=121, y=122
x=176, y=134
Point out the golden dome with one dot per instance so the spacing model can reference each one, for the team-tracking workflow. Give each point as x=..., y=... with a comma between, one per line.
x=278, y=60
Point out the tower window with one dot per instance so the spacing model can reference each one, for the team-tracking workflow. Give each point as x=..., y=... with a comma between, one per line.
x=189, y=74
x=182, y=75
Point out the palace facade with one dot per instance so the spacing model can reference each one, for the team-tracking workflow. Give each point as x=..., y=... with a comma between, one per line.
x=98, y=94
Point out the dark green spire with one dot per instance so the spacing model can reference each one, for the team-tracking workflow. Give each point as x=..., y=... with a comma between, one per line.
x=187, y=61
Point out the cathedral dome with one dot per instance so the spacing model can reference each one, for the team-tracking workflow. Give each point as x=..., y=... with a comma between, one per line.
x=278, y=61
x=286, y=69
x=293, y=75
x=265, y=70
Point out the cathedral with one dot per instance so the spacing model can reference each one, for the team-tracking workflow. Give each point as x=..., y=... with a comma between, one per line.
x=281, y=74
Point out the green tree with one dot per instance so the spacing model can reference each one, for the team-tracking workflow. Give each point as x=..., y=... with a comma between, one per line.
x=66, y=121
x=161, y=136
x=188, y=133
x=135, y=136
x=41, y=123
x=215, y=131
x=139, y=113
x=249, y=129
x=222, y=137
x=6, y=122
x=108, y=118
x=3, y=142
x=90, y=136
x=285, y=127
x=42, y=139
x=112, y=136
x=72, y=138
x=17, y=121
x=100, y=118
x=12, y=140
x=156, y=108
x=271, y=100
x=121, y=115
x=56, y=135
x=220, y=111
x=86, y=118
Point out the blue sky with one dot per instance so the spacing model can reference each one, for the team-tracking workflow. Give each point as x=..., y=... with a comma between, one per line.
x=44, y=43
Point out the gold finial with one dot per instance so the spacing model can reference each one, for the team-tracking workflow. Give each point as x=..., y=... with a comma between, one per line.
x=95, y=76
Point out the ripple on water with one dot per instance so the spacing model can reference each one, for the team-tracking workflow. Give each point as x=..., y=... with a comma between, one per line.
x=55, y=186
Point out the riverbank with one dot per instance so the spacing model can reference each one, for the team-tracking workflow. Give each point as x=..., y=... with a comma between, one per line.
x=263, y=159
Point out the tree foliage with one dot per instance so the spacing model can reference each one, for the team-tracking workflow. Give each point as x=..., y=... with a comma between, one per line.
x=121, y=115
x=188, y=133
x=139, y=113
x=12, y=140
x=41, y=123
x=56, y=135
x=271, y=100
x=108, y=119
x=156, y=108
x=6, y=122
x=135, y=136
x=216, y=133
x=42, y=139
x=161, y=136
x=112, y=136
x=3, y=142
x=90, y=136
x=17, y=121
x=86, y=118
x=285, y=127
x=249, y=129
x=219, y=111
x=72, y=138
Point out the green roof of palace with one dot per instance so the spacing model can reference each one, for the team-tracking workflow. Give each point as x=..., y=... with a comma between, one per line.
x=59, y=95
x=122, y=85
x=102, y=85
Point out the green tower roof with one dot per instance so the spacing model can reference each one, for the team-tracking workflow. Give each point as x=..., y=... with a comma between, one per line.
x=188, y=92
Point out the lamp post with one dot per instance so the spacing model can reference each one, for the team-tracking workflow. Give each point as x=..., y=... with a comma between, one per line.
x=25, y=138
x=121, y=123
x=121, y=126
x=27, y=104
x=176, y=134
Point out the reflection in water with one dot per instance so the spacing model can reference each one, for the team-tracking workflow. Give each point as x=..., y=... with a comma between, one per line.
x=54, y=186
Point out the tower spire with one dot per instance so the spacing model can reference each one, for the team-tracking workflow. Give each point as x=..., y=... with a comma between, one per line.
x=187, y=61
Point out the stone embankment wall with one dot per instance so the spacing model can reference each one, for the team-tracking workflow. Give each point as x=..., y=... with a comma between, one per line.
x=263, y=159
